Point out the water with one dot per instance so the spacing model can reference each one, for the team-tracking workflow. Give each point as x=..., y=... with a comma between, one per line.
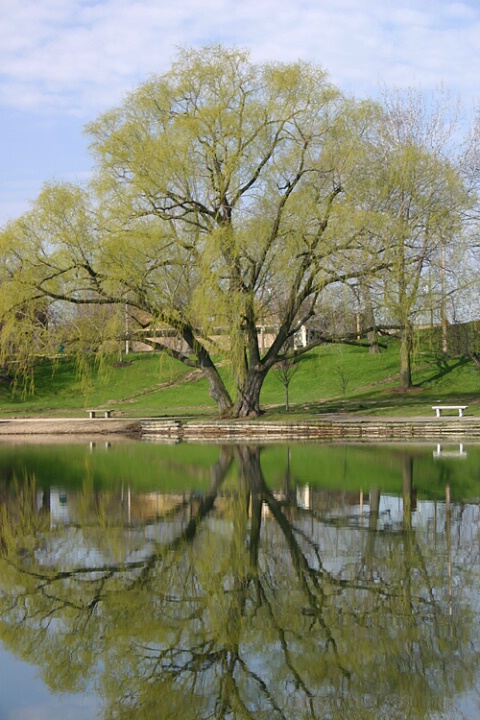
x=153, y=581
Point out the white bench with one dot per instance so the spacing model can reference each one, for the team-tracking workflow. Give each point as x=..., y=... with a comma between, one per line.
x=440, y=452
x=438, y=409
x=92, y=413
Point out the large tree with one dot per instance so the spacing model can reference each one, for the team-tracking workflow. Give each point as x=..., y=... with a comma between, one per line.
x=228, y=196
x=220, y=202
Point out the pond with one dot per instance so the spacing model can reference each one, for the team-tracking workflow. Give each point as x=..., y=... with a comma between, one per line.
x=141, y=580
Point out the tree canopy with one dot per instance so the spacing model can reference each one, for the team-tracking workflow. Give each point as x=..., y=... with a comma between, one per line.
x=226, y=196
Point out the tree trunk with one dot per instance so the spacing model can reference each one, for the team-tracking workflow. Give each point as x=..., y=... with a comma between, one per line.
x=373, y=346
x=405, y=359
x=218, y=391
x=443, y=306
x=369, y=318
x=247, y=403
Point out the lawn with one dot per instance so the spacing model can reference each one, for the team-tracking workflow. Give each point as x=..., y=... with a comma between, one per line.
x=331, y=378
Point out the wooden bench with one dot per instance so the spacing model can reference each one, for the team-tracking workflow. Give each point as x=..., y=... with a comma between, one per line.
x=438, y=409
x=92, y=413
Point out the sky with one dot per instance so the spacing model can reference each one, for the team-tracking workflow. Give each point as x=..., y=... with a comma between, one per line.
x=63, y=62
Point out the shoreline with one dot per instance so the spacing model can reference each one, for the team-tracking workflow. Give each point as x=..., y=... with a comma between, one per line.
x=325, y=428
x=69, y=426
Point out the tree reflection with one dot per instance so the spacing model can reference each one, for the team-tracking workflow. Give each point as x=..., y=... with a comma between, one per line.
x=250, y=608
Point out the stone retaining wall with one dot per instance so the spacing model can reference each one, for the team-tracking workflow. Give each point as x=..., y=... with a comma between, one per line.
x=255, y=431
x=368, y=429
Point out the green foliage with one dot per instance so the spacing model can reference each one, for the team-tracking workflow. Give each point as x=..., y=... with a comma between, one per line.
x=215, y=205
x=229, y=195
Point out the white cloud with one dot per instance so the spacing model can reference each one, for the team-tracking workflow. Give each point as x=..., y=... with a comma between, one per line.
x=67, y=60
x=79, y=56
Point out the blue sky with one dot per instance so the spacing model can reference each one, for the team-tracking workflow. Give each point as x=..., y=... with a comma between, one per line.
x=64, y=61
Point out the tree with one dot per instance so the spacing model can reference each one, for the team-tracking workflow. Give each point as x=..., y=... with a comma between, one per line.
x=418, y=196
x=284, y=371
x=221, y=197
x=229, y=196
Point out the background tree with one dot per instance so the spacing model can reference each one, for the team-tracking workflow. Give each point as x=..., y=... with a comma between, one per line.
x=418, y=198
x=284, y=370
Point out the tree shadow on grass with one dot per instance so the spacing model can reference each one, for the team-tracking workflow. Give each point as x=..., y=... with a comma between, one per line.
x=445, y=367
x=417, y=400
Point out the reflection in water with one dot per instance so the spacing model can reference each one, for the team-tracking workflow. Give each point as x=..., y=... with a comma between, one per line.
x=243, y=601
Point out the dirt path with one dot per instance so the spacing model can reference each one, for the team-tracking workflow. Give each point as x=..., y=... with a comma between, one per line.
x=69, y=426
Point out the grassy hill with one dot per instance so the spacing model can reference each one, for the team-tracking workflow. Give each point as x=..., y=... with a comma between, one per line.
x=329, y=379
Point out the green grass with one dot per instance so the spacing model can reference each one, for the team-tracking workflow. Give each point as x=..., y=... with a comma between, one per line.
x=62, y=388
x=340, y=379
